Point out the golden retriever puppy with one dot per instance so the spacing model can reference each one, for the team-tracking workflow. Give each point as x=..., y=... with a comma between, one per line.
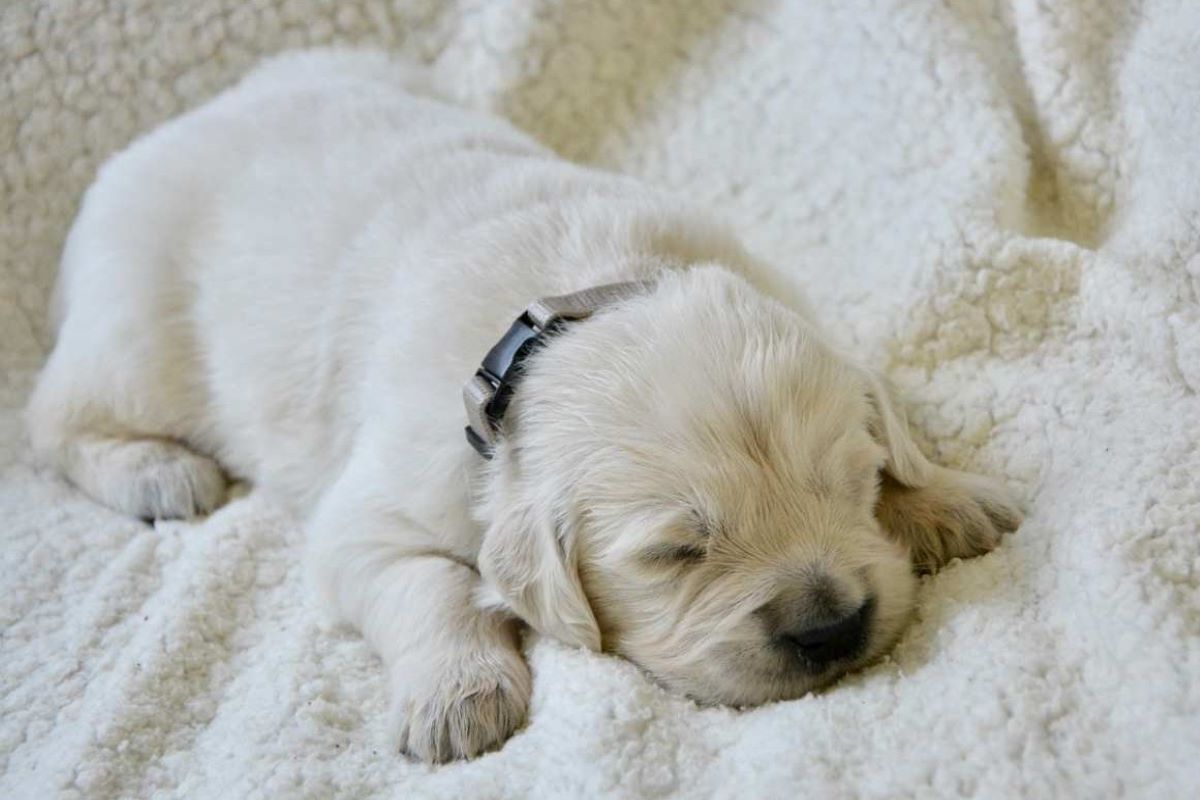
x=290, y=285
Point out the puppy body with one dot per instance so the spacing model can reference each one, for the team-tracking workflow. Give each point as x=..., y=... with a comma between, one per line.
x=290, y=285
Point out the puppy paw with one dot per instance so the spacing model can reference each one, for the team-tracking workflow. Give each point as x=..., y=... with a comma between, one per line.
x=468, y=708
x=177, y=483
x=958, y=515
x=147, y=478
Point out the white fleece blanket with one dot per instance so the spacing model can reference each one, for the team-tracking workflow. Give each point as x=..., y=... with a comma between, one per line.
x=998, y=202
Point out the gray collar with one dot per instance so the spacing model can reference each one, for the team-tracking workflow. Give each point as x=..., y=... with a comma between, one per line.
x=489, y=391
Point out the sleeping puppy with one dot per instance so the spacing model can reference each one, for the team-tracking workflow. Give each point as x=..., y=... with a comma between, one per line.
x=290, y=286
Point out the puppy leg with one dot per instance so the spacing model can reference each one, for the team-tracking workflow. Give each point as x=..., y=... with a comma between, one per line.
x=954, y=515
x=459, y=683
x=144, y=477
x=115, y=447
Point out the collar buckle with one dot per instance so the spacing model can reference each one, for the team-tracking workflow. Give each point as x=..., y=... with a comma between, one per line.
x=487, y=395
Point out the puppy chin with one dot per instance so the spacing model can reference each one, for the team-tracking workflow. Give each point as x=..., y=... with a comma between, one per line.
x=730, y=681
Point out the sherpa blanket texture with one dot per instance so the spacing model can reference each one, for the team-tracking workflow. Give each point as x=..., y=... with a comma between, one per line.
x=997, y=202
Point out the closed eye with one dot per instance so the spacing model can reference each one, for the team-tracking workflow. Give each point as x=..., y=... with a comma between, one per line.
x=672, y=554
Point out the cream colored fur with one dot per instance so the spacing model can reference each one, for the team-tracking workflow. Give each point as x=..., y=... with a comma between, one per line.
x=290, y=284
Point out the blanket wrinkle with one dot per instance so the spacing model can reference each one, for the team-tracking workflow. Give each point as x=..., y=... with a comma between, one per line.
x=995, y=202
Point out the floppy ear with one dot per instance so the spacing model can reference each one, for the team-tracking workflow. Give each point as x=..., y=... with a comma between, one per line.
x=529, y=558
x=905, y=462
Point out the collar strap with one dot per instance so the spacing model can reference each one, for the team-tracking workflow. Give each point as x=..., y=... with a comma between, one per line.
x=489, y=391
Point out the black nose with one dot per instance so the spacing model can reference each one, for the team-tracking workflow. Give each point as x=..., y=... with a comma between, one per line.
x=833, y=641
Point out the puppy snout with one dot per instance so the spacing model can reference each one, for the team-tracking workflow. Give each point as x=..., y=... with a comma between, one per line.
x=836, y=640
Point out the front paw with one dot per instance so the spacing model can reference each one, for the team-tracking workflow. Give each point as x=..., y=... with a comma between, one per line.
x=958, y=515
x=466, y=708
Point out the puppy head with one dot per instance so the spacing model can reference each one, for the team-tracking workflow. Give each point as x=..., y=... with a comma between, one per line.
x=689, y=479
